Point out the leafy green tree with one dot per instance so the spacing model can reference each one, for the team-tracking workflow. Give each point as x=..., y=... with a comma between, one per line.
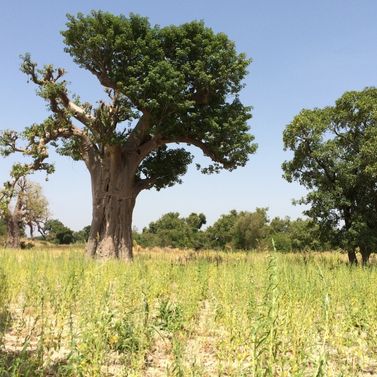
x=240, y=230
x=165, y=86
x=196, y=221
x=280, y=232
x=82, y=235
x=306, y=235
x=174, y=231
x=330, y=147
x=250, y=229
x=297, y=235
x=220, y=234
x=58, y=233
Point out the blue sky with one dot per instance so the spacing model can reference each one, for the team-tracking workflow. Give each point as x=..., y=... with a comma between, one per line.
x=305, y=54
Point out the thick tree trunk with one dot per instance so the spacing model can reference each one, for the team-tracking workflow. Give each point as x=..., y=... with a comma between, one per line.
x=13, y=232
x=111, y=228
x=365, y=254
x=113, y=203
x=352, y=258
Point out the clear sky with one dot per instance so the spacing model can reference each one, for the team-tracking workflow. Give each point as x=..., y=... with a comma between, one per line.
x=305, y=54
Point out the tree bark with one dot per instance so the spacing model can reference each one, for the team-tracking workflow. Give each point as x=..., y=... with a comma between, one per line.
x=13, y=224
x=114, y=199
x=352, y=258
x=365, y=253
x=13, y=232
x=31, y=227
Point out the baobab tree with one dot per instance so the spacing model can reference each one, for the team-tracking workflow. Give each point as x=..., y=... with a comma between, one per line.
x=170, y=86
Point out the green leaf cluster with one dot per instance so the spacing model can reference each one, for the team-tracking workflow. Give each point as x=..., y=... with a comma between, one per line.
x=334, y=158
x=172, y=230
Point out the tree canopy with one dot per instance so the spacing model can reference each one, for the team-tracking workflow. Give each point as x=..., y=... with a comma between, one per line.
x=165, y=86
x=334, y=158
x=22, y=204
x=172, y=230
x=55, y=231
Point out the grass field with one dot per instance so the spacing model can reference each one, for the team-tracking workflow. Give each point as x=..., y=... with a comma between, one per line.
x=173, y=313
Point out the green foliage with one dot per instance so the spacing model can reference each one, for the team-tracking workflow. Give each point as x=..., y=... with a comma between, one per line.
x=235, y=230
x=82, y=235
x=169, y=316
x=166, y=86
x=164, y=166
x=239, y=230
x=22, y=204
x=177, y=84
x=333, y=160
x=35, y=207
x=250, y=229
x=220, y=233
x=58, y=233
x=174, y=231
x=297, y=235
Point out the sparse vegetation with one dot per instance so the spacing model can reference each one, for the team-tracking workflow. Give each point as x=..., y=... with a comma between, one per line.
x=247, y=296
x=186, y=313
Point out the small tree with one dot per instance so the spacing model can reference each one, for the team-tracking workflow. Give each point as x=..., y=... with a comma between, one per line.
x=21, y=204
x=171, y=85
x=330, y=146
x=36, y=211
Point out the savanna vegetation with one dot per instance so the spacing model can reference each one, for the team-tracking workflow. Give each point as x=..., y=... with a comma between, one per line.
x=241, y=230
x=248, y=295
x=186, y=314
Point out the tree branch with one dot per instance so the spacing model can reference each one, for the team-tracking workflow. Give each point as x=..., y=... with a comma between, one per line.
x=158, y=141
x=138, y=134
x=144, y=184
x=57, y=92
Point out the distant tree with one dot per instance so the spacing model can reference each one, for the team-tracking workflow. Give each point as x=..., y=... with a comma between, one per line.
x=36, y=211
x=170, y=85
x=21, y=204
x=297, y=235
x=280, y=225
x=82, y=235
x=220, y=234
x=196, y=221
x=306, y=235
x=334, y=150
x=250, y=229
x=280, y=232
x=174, y=231
x=58, y=233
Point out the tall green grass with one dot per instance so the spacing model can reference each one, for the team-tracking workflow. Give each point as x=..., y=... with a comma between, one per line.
x=186, y=314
